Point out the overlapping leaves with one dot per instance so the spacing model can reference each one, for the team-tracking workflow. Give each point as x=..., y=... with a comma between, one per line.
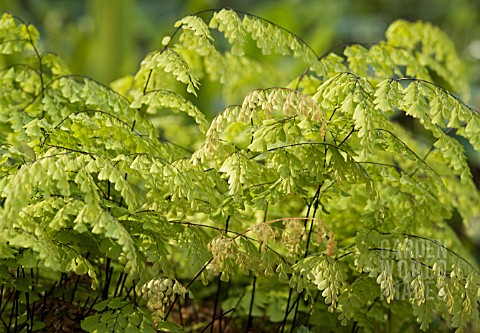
x=313, y=183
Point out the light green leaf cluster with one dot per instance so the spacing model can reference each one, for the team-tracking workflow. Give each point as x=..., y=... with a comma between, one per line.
x=168, y=99
x=327, y=274
x=196, y=33
x=384, y=61
x=432, y=49
x=422, y=270
x=169, y=61
x=16, y=37
x=159, y=293
x=118, y=315
x=228, y=22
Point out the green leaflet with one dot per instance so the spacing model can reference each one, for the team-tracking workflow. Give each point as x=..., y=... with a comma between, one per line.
x=170, y=62
x=168, y=99
x=228, y=22
x=471, y=131
x=196, y=36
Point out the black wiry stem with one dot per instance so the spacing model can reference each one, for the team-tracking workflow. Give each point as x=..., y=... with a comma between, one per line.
x=210, y=324
x=217, y=297
x=77, y=280
x=219, y=285
x=254, y=283
x=108, y=276
x=315, y=202
x=188, y=286
x=250, y=309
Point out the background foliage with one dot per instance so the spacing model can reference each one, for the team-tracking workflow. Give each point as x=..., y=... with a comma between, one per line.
x=311, y=183
x=79, y=31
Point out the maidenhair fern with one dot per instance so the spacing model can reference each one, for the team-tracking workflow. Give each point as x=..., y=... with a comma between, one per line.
x=305, y=195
